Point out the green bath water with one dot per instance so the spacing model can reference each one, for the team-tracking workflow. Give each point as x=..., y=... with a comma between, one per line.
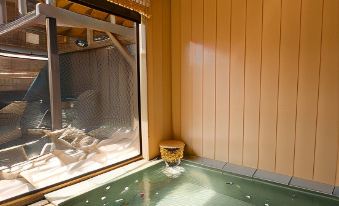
x=196, y=185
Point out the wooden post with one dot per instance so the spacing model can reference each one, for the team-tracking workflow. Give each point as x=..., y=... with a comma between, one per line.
x=53, y=72
x=90, y=36
x=3, y=12
x=22, y=6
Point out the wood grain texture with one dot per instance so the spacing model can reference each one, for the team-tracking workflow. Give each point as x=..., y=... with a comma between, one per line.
x=176, y=66
x=159, y=75
x=186, y=99
x=269, y=84
x=197, y=56
x=307, y=104
x=222, y=79
x=252, y=82
x=288, y=82
x=238, y=25
x=267, y=110
x=327, y=132
x=208, y=96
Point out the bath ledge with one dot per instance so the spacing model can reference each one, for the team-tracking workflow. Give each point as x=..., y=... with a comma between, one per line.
x=59, y=196
x=266, y=175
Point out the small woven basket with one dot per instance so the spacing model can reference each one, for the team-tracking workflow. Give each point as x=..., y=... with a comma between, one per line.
x=172, y=151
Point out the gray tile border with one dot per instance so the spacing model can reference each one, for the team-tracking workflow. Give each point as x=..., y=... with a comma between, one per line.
x=265, y=175
x=336, y=191
x=311, y=185
x=216, y=164
x=272, y=177
x=245, y=171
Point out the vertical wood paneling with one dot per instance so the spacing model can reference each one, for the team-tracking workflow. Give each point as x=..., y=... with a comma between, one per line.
x=150, y=76
x=159, y=81
x=176, y=66
x=222, y=79
x=209, y=78
x=238, y=24
x=252, y=82
x=250, y=91
x=165, y=81
x=309, y=63
x=185, y=72
x=288, y=80
x=328, y=104
x=197, y=45
x=269, y=84
x=157, y=61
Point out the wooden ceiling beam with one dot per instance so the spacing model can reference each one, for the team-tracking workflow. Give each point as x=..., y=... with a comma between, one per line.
x=124, y=52
x=71, y=19
x=68, y=6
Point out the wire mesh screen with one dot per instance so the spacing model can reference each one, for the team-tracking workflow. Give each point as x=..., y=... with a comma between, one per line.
x=98, y=89
x=25, y=102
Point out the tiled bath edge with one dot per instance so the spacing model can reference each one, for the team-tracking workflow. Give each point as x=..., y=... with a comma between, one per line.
x=266, y=175
x=272, y=177
x=336, y=191
x=311, y=185
x=206, y=162
x=241, y=170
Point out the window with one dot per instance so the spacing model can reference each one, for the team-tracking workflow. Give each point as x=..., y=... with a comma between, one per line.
x=71, y=115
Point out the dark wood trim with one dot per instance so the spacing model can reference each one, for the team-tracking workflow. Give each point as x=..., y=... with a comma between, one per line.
x=3, y=12
x=53, y=72
x=36, y=195
x=109, y=7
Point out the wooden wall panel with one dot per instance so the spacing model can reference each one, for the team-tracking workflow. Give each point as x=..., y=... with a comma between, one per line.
x=159, y=80
x=186, y=81
x=176, y=66
x=222, y=79
x=259, y=83
x=309, y=63
x=327, y=131
x=208, y=102
x=197, y=47
x=269, y=84
x=252, y=82
x=238, y=25
x=288, y=81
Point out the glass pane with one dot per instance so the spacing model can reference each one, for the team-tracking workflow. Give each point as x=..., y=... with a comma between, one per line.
x=99, y=101
x=24, y=106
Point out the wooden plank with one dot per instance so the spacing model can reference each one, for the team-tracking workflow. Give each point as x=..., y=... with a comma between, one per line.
x=328, y=105
x=288, y=80
x=185, y=73
x=197, y=49
x=3, y=12
x=53, y=73
x=150, y=31
x=176, y=66
x=269, y=84
x=309, y=63
x=222, y=79
x=156, y=82
x=252, y=82
x=209, y=79
x=165, y=81
x=22, y=7
x=237, y=64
